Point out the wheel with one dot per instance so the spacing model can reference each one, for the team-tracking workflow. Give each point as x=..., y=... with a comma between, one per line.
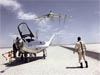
x=44, y=54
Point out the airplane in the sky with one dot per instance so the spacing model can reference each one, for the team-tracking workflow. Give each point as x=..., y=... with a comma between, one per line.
x=30, y=43
x=52, y=15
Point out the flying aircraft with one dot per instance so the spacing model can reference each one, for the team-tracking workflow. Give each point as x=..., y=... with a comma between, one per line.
x=30, y=43
x=52, y=15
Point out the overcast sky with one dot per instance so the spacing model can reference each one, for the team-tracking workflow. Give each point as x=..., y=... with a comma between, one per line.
x=85, y=21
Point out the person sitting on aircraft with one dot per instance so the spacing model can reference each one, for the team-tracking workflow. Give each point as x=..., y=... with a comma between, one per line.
x=50, y=14
x=29, y=39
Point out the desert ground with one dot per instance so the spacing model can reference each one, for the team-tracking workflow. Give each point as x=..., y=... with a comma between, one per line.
x=60, y=60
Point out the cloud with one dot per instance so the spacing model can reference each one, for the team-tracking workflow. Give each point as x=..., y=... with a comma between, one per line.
x=10, y=3
x=44, y=21
x=44, y=28
x=42, y=25
x=26, y=16
x=17, y=9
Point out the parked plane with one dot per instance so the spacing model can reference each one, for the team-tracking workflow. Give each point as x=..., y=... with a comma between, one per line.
x=30, y=43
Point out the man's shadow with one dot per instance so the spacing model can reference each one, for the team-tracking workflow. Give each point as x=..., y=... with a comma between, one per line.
x=76, y=67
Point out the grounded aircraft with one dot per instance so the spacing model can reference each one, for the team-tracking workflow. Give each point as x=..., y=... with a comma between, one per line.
x=51, y=16
x=30, y=43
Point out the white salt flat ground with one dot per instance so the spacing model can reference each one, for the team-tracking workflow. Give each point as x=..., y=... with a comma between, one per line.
x=59, y=61
x=90, y=47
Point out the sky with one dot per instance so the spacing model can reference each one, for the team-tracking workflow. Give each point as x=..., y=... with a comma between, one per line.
x=85, y=21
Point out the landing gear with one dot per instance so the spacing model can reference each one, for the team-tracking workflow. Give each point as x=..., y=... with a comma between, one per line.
x=44, y=54
x=25, y=55
x=34, y=54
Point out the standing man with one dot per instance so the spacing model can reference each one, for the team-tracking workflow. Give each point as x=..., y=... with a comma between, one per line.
x=80, y=48
x=15, y=46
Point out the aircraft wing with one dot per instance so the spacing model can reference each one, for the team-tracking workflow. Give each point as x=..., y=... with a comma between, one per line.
x=40, y=17
x=53, y=15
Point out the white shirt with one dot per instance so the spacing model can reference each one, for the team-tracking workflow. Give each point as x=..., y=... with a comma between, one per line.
x=80, y=46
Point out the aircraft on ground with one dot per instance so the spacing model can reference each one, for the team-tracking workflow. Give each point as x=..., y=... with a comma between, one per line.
x=30, y=43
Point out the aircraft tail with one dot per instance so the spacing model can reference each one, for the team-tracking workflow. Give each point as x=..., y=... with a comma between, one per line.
x=49, y=42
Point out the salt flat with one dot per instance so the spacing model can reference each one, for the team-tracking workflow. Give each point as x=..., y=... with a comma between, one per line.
x=90, y=47
x=59, y=61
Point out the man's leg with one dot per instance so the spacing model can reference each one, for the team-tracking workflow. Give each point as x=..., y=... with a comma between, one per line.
x=85, y=60
x=14, y=53
x=14, y=50
x=80, y=58
x=86, y=64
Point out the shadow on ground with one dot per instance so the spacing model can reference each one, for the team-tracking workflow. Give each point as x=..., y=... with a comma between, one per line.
x=76, y=67
x=91, y=54
x=18, y=61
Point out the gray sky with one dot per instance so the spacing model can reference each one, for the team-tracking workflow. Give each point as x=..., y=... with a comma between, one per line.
x=84, y=22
